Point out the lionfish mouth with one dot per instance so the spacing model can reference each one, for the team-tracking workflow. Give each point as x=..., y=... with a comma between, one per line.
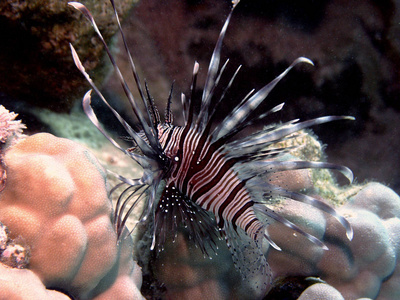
x=212, y=183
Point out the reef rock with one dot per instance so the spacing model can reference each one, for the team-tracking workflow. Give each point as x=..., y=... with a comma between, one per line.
x=35, y=46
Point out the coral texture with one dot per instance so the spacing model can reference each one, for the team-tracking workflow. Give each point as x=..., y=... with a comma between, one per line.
x=25, y=284
x=55, y=200
x=366, y=267
x=321, y=291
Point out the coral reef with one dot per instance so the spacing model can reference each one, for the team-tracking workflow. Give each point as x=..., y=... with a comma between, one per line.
x=55, y=200
x=3, y=236
x=367, y=266
x=15, y=255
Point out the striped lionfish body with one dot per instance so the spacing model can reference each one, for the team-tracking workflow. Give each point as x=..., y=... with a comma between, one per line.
x=203, y=172
x=200, y=176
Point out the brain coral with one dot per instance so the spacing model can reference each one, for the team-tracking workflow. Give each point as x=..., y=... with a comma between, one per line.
x=55, y=199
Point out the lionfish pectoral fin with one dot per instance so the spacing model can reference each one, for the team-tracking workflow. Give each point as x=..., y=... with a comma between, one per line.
x=249, y=260
x=281, y=166
x=315, y=203
x=271, y=242
x=262, y=209
x=177, y=213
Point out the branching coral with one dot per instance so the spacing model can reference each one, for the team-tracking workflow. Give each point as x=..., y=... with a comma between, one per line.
x=55, y=200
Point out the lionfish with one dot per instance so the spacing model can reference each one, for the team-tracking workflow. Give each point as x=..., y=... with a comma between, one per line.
x=198, y=175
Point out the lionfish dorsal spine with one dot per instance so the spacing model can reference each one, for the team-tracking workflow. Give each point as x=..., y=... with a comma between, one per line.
x=185, y=108
x=242, y=111
x=188, y=102
x=92, y=116
x=169, y=117
x=212, y=74
x=131, y=63
x=218, y=102
x=155, y=115
x=152, y=139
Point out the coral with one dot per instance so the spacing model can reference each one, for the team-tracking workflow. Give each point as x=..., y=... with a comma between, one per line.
x=3, y=236
x=365, y=267
x=321, y=291
x=15, y=255
x=10, y=133
x=25, y=284
x=10, y=129
x=56, y=201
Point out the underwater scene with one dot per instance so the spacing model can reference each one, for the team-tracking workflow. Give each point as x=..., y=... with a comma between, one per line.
x=200, y=149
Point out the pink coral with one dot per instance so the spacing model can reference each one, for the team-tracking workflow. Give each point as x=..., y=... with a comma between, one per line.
x=25, y=284
x=56, y=200
x=9, y=127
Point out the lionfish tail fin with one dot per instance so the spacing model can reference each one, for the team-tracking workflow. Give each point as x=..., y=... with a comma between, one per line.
x=249, y=260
